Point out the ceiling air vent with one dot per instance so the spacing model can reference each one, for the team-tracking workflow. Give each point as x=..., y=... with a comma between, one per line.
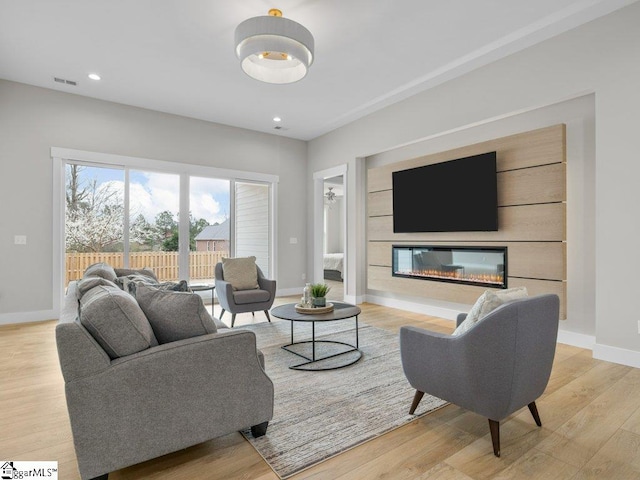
x=65, y=81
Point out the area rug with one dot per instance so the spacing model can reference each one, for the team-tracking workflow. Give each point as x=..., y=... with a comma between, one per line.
x=320, y=414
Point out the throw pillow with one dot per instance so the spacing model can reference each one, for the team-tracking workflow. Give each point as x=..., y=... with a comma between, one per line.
x=126, y=281
x=241, y=273
x=124, y=272
x=174, y=315
x=115, y=321
x=488, y=302
x=131, y=285
x=87, y=283
x=103, y=270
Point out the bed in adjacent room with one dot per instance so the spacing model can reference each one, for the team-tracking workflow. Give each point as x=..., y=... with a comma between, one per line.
x=333, y=266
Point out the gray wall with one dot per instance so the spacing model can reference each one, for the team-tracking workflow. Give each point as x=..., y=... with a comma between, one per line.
x=32, y=120
x=599, y=57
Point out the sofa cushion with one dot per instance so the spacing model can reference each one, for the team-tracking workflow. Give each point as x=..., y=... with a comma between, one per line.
x=124, y=272
x=486, y=303
x=174, y=315
x=103, y=270
x=115, y=320
x=251, y=296
x=87, y=283
x=241, y=273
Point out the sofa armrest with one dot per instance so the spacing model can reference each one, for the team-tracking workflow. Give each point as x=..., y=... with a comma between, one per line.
x=167, y=398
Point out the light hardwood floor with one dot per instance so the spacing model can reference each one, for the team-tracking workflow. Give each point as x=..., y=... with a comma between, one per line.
x=590, y=424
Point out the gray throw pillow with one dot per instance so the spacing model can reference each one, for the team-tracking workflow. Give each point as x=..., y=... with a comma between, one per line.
x=241, y=273
x=174, y=315
x=131, y=286
x=87, y=283
x=123, y=272
x=115, y=321
x=125, y=282
x=103, y=270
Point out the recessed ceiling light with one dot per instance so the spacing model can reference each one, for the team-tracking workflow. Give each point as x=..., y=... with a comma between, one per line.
x=277, y=119
x=94, y=76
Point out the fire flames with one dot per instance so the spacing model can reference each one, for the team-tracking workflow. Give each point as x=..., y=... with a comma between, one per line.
x=458, y=274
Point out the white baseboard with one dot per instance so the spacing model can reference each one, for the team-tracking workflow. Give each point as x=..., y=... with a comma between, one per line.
x=26, y=317
x=622, y=356
x=355, y=299
x=576, y=339
x=414, y=307
x=287, y=292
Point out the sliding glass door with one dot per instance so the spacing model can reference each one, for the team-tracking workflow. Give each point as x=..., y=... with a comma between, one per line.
x=130, y=217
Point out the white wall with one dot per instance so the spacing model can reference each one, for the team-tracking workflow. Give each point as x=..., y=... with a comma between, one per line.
x=32, y=120
x=599, y=57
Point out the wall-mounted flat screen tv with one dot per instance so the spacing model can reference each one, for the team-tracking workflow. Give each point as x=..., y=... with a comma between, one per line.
x=455, y=196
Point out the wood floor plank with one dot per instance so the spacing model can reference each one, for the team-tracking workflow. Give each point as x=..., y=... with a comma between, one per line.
x=619, y=459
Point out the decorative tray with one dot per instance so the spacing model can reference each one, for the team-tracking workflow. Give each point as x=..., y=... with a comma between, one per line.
x=314, y=310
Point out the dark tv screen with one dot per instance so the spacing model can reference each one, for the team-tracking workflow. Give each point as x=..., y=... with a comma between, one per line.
x=455, y=196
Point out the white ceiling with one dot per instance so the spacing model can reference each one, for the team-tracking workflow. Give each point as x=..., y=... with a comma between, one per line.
x=178, y=56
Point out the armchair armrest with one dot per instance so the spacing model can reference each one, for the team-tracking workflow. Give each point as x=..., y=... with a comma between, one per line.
x=224, y=290
x=266, y=284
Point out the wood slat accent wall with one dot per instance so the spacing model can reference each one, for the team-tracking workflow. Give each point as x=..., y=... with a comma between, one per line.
x=531, y=218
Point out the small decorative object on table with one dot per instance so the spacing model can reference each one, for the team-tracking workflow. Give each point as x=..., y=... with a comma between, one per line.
x=319, y=293
x=309, y=310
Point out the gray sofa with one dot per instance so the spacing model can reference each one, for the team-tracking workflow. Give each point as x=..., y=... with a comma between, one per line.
x=161, y=399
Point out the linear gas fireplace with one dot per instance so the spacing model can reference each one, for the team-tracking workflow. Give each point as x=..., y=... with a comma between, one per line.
x=484, y=266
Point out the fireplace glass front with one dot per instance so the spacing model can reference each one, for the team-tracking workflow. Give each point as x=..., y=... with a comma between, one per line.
x=484, y=266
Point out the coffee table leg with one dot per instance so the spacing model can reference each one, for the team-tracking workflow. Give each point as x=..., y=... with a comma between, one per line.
x=357, y=345
x=292, y=322
x=313, y=341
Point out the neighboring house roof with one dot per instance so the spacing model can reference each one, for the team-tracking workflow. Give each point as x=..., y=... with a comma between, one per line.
x=215, y=232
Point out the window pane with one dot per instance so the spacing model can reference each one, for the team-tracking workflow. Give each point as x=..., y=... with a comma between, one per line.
x=209, y=226
x=154, y=203
x=253, y=223
x=94, y=218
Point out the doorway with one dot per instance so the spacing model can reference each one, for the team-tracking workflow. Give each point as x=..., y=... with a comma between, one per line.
x=330, y=231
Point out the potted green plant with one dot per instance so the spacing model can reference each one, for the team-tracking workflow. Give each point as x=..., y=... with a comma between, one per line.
x=319, y=292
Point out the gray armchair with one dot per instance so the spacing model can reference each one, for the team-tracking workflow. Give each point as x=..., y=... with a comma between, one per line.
x=497, y=367
x=242, y=301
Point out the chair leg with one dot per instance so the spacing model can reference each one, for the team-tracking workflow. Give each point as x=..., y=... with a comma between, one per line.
x=416, y=400
x=266, y=312
x=221, y=314
x=253, y=314
x=101, y=477
x=233, y=319
x=495, y=436
x=534, y=412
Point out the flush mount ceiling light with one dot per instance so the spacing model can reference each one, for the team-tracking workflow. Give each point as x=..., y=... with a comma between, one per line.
x=94, y=76
x=274, y=49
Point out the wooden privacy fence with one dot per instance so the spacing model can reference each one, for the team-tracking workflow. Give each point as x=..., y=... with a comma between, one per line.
x=164, y=264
